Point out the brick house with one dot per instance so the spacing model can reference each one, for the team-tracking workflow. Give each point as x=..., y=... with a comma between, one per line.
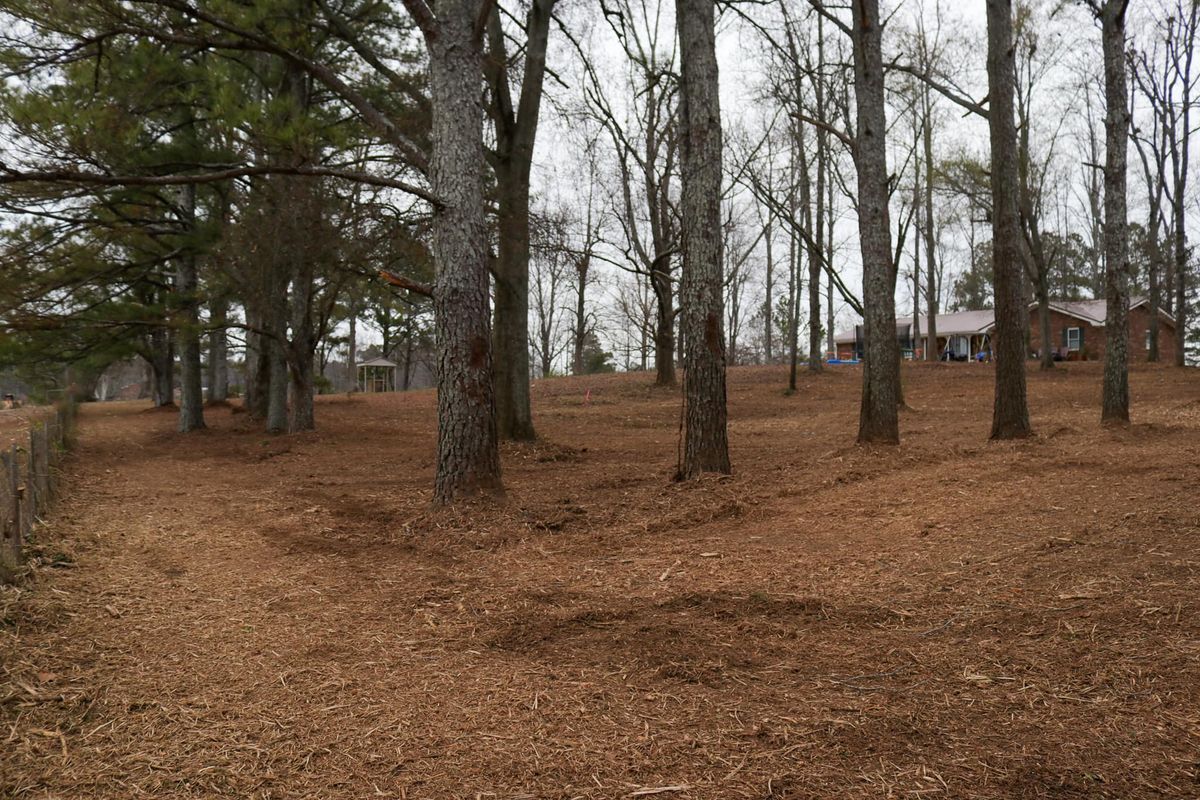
x=1077, y=327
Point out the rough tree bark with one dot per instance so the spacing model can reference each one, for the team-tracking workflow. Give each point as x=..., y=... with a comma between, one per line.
x=273, y=343
x=257, y=365
x=878, y=416
x=1116, y=232
x=468, y=459
x=218, y=350
x=301, y=348
x=191, y=394
x=1010, y=413
x=706, y=446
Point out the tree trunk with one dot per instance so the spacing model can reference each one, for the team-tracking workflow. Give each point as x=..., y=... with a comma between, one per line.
x=218, y=351
x=277, y=387
x=301, y=388
x=191, y=395
x=932, y=352
x=1180, y=151
x=706, y=446
x=816, y=220
x=275, y=343
x=1116, y=233
x=302, y=347
x=915, y=338
x=580, y=322
x=794, y=290
x=352, y=349
x=258, y=364
x=1155, y=291
x=468, y=458
x=1043, y=301
x=162, y=367
x=510, y=339
x=878, y=417
x=516, y=130
x=831, y=321
x=1010, y=415
x=769, y=302
x=664, y=323
x=1180, y=282
x=814, y=260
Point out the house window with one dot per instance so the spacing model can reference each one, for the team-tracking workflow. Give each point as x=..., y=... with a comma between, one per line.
x=1147, y=338
x=1074, y=335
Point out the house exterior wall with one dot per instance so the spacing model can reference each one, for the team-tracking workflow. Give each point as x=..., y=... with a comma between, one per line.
x=1139, y=326
x=1092, y=348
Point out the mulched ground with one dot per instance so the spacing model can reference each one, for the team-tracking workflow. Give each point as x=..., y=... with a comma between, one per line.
x=230, y=614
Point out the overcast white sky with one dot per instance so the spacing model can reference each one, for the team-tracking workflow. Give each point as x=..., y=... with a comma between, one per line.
x=1071, y=35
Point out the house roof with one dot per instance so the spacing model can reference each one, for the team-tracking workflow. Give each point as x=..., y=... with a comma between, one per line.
x=960, y=323
x=378, y=362
x=1093, y=311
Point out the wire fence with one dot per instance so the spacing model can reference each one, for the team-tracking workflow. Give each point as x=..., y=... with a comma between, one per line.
x=29, y=483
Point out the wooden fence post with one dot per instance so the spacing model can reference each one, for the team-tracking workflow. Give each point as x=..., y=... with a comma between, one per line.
x=43, y=474
x=25, y=497
x=11, y=550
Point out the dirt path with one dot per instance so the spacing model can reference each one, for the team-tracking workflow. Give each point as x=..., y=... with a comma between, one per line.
x=228, y=614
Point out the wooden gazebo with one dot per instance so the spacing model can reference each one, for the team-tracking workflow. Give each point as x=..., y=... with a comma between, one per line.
x=377, y=375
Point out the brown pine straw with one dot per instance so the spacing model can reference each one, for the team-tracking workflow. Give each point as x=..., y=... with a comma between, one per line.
x=234, y=615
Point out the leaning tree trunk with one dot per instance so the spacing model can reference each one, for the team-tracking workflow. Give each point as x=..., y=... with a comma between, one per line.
x=468, y=458
x=191, y=390
x=1116, y=232
x=1010, y=414
x=878, y=417
x=706, y=446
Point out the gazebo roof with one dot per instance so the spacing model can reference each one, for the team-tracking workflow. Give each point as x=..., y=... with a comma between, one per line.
x=378, y=362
